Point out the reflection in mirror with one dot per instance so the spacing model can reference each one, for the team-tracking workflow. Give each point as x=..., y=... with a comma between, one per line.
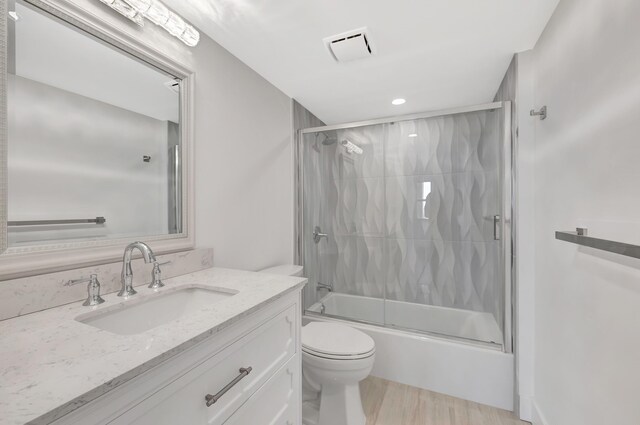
x=94, y=138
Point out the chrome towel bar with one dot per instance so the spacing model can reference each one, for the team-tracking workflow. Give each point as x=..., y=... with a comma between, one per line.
x=97, y=220
x=580, y=237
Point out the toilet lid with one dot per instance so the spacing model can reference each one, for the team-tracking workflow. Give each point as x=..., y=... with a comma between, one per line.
x=333, y=339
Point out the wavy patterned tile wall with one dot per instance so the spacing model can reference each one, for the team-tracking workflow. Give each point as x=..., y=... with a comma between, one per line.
x=411, y=219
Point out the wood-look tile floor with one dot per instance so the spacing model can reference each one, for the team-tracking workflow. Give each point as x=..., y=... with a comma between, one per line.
x=390, y=403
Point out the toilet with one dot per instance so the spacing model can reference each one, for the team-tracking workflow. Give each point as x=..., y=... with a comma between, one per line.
x=335, y=358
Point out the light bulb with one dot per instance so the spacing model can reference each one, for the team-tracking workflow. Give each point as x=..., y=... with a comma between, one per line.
x=125, y=9
x=157, y=13
x=141, y=5
x=175, y=25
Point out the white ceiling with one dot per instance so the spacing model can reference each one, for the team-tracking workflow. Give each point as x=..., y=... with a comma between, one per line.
x=435, y=53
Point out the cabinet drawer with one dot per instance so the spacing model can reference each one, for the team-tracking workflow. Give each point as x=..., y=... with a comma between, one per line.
x=265, y=350
x=276, y=402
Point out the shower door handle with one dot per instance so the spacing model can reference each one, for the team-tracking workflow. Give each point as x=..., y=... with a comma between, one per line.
x=496, y=227
x=317, y=235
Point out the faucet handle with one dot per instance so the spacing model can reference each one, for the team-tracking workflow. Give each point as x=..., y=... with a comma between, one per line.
x=156, y=275
x=318, y=235
x=93, y=289
x=77, y=281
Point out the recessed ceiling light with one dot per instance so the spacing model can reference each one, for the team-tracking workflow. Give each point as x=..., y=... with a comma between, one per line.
x=398, y=101
x=413, y=135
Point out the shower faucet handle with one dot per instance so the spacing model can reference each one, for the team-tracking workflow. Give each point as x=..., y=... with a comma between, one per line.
x=318, y=235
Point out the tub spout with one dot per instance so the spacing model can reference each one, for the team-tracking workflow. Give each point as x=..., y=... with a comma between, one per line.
x=327, y=286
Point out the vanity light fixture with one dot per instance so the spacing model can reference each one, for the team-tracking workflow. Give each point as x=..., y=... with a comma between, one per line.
x=159, y=14
x=126, y=10
x=398, y=101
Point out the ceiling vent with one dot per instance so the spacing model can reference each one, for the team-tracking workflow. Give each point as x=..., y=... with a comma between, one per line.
x=350, y=45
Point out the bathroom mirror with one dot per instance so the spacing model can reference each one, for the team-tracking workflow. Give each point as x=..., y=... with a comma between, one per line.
x=97, y=139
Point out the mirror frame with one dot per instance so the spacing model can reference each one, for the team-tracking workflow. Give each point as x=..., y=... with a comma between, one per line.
x=3, y=127
x=24, y=261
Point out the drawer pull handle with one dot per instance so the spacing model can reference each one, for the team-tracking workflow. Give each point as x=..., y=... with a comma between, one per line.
x=244, y=371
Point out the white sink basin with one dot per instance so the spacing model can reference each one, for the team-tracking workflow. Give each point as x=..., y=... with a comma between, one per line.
x=139, y=315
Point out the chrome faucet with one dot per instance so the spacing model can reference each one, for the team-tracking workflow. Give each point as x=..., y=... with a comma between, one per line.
x=93, y=290
x=327, y=286
x=127, y=274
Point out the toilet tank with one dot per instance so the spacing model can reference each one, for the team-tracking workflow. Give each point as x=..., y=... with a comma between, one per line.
x=284, y=270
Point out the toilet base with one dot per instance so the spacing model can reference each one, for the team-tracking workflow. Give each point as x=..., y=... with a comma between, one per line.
x=310, y=412
x=337, y=405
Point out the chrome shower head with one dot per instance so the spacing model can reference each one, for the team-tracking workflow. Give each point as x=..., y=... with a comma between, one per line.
x=329, y=140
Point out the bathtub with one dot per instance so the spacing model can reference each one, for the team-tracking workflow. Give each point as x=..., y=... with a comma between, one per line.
x=460, y=356
x=471, y=325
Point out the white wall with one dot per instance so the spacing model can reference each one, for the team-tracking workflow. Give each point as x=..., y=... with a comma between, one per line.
x=525, y=236
x=243, y=148
x=244, y=165
x=517, y=86
x=587, y=304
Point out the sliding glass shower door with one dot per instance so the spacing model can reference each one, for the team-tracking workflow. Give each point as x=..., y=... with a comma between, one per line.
x=403, y=223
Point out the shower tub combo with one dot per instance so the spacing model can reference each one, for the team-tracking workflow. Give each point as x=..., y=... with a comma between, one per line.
x=404, y=230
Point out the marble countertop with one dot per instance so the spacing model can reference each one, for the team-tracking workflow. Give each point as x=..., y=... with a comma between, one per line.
x=51, y=364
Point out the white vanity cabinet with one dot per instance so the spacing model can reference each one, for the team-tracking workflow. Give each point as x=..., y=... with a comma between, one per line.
x=175, y=392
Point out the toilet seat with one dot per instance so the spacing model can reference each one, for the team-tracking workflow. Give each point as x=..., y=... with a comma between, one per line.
x=337, y=357
x=336, y=342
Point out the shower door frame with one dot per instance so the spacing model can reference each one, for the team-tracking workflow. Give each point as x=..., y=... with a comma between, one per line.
x=507, y=176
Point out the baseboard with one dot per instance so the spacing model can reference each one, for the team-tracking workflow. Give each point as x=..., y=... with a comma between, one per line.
x=537, y=417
